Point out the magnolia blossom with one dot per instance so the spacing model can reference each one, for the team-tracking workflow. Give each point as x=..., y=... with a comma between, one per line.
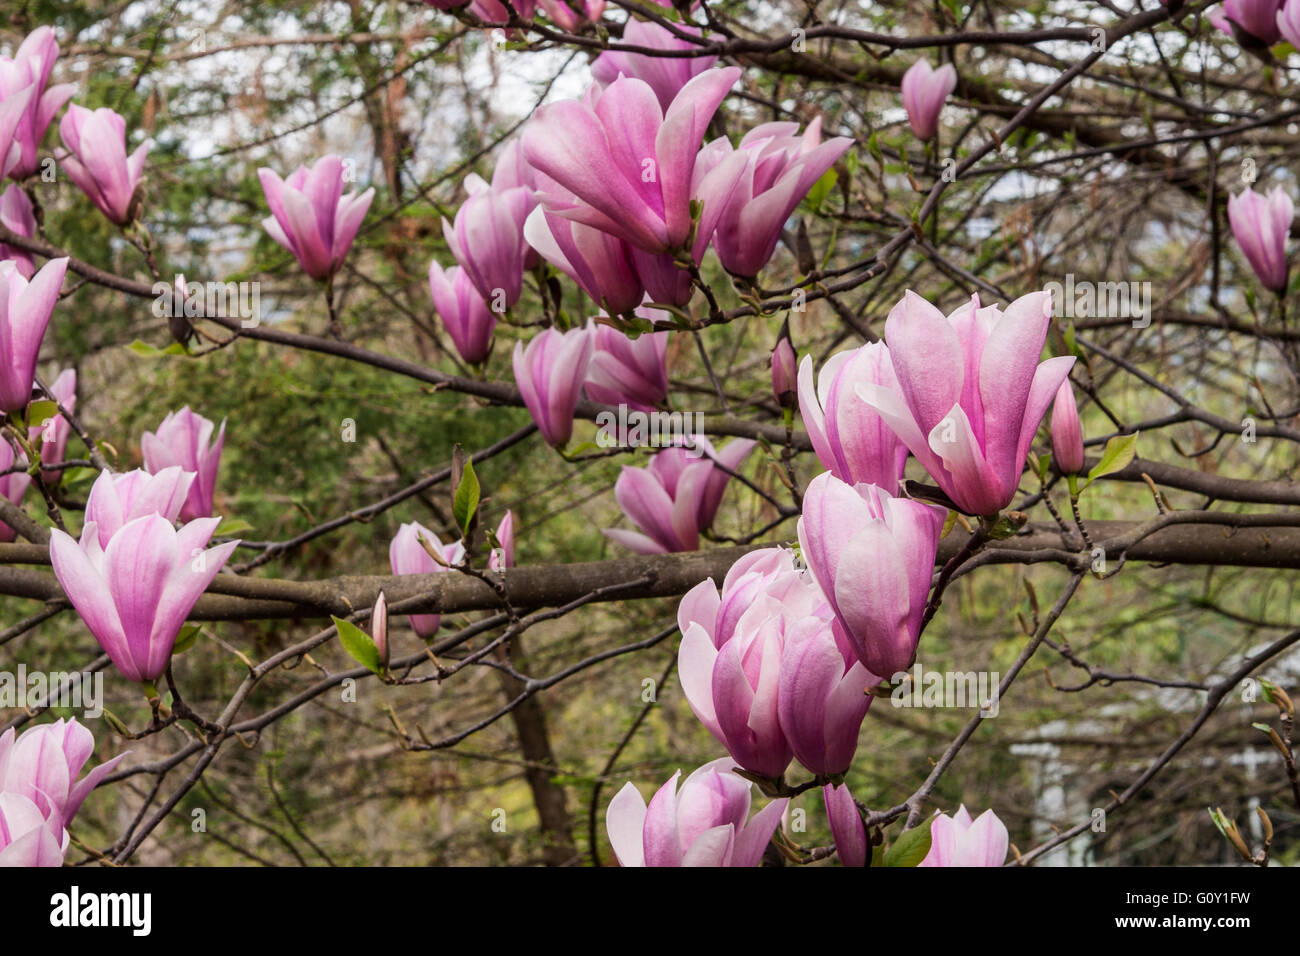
x=504, y=556
x=676, y=496
x=183, y=439
x=570, y=16
x=600, y=263
x=848, y=435
x=1067, y=432
x=407, y=556
x=550, y=373
x=487, y=240
x=971, y=392
x=959, y=841
x=1261, y=225
x=665, y=75
x=763, y=672
x=25, y=310
x=466, y=316
x=705, y=823
x=42, y=764
x=17, y=215
x=24, y=86
x=97, y=160
x=494, y=12
x=135, y=594
x=311, y=217
x=629, y=162
x=1288, y=22
x=55, y=431
x=822, y=697
x=847, y=828
x=873, y=556
x=924, y=91
x=116, y=499
x=628, y=371
x=779, y=167
x=511, y=171
x=27, y=837
x=1257, y=19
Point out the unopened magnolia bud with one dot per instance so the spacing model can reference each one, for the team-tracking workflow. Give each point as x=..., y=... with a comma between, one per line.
x=1067, y=432
x=379, y=627
x=785, y=384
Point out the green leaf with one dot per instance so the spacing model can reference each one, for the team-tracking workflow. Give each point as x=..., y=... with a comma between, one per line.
x=1120, y=450
x=145, y=350
x=41, y=411
x=230, y=527
x=185, y=640
x=359, y=645
x=821, y=189
x=465, y=503
x=910, y=848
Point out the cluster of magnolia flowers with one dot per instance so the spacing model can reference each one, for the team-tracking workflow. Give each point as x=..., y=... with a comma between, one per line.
x=779, y=665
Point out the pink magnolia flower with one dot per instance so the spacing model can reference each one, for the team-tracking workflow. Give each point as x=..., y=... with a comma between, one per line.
x=959, y=841
x=407, y=556
x=494, y=12
x=16, y=215
x=311, y=217
x=629, y=162
x=182, y=439
x=55, y=431
x=25, y=310
x=550, y=373
x=1261, y=225
x=1257, y=18
x=135, y=594
x=12, y=485
x=29, y=70
x=754, y=667
x=873, y=556
x=971, y=392
x=676, y=496
x=822, y=697
x=600, y=263
x=924, y=92
x=511, y=172
x=768, y=574
x=42, y=765
x=487, y=240
x=849, y=436
x=27, y=837
x=571, y=15
x=97, y=160
x=847, y=828
x=116, y=499
x=628, y=371
x=504, y=556
x=1067, y=432
x=664, y=75
x=1288, y=22
x=466, y=316
x=706, y=823
x=779, y=167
